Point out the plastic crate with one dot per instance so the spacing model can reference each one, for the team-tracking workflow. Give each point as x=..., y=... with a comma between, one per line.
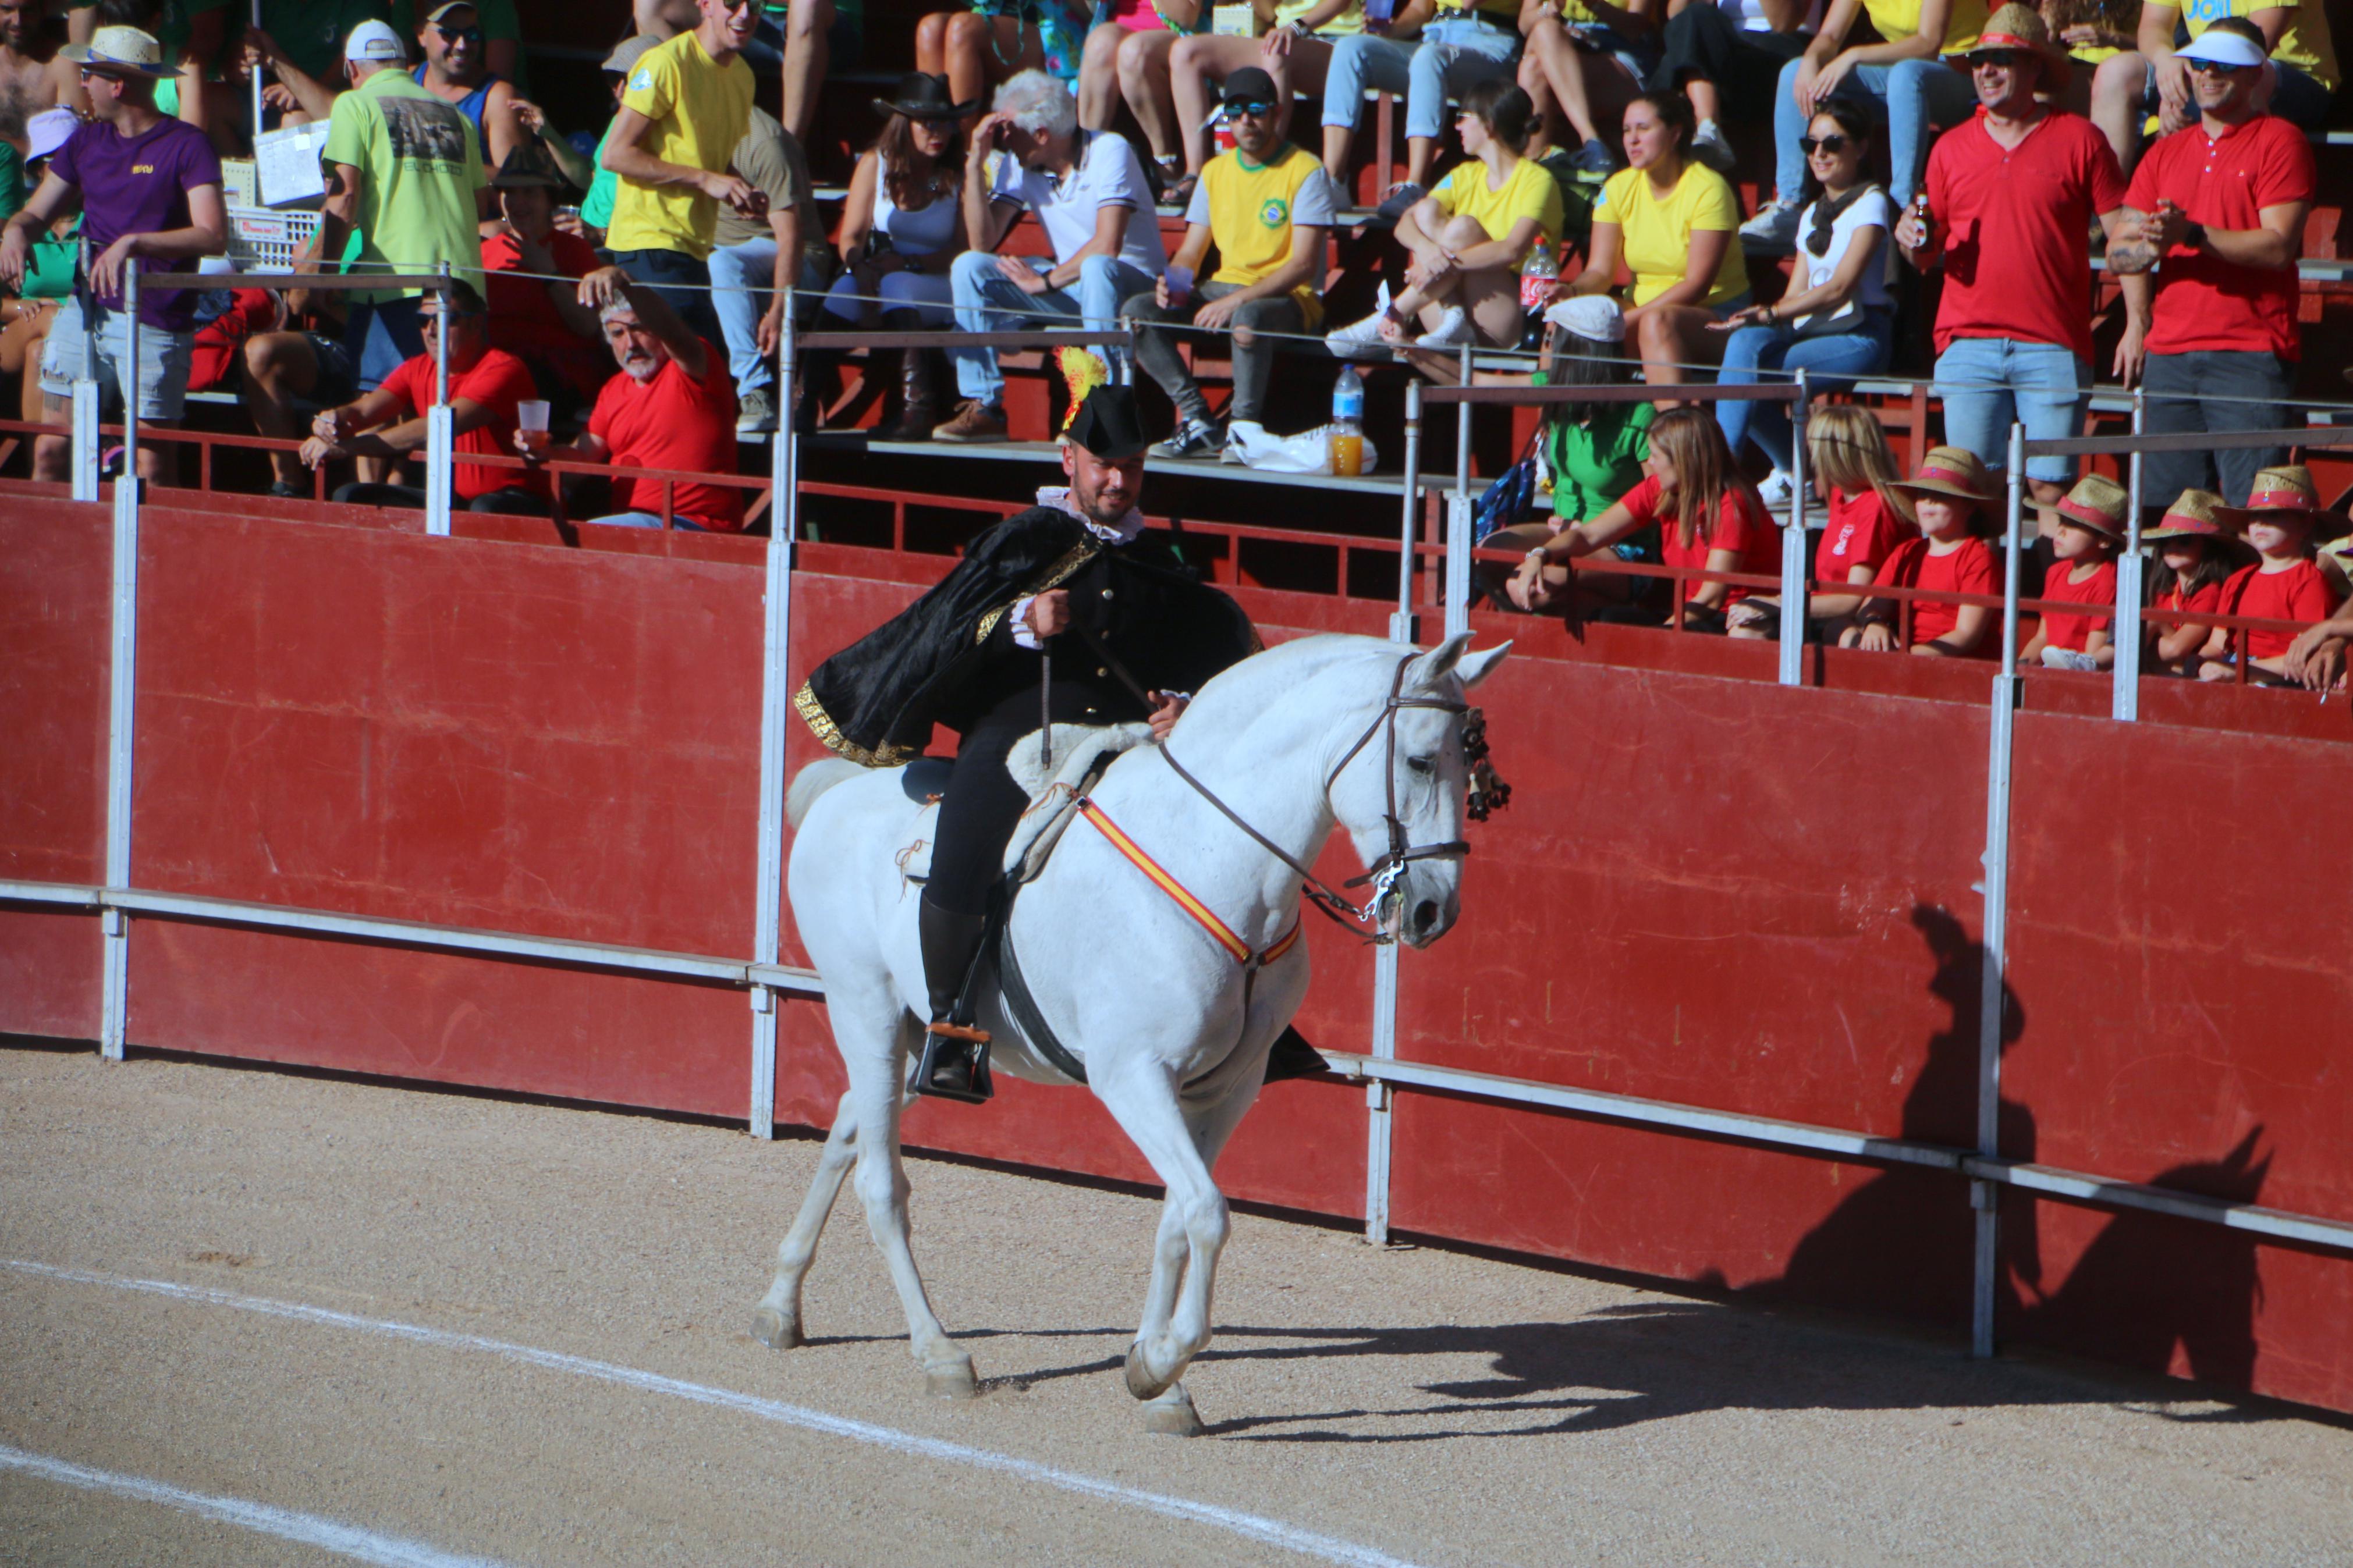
x=261, y=239
x=240, y=185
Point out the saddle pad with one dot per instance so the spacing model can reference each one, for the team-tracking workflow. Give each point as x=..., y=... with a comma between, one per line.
x=1081, y=753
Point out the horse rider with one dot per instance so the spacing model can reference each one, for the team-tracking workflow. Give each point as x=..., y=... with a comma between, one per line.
x=973, y=654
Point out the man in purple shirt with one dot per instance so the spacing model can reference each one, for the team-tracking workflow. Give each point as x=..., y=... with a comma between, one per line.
x=151, y=196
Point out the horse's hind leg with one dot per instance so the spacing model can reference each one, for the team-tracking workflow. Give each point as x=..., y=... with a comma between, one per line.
x=875, y=1090
x=776, y=1321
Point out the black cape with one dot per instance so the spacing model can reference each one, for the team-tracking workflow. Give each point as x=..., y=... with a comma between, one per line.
x=950, y=659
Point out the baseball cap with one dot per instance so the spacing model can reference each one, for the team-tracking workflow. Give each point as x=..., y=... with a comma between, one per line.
x=375, y=40
x=1250, y=85
x=624, y=58
x=440, y=11
x=49, y=129
x=2223, y=49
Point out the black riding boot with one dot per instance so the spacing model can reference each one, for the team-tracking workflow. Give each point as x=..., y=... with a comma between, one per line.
x=919, y=384
x=954, y=1064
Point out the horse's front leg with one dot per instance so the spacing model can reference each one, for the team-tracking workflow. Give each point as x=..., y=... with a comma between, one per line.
x=875, y=1086
x=1193, y=1217
x=777, y=1320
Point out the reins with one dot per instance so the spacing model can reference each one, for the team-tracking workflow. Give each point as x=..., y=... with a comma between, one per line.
x=1384, y=873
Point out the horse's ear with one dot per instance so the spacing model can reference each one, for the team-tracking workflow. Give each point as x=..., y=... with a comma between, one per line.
x=1475, y=668
x=1435, y=665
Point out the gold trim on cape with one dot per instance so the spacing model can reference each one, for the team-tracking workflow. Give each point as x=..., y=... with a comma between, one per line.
x=1061, y=571
x=822, y=724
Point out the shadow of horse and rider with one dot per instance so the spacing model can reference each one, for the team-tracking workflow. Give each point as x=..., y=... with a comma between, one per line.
x=2149, y=1292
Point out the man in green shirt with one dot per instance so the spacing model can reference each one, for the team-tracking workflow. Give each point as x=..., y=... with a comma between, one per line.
x=405, y=168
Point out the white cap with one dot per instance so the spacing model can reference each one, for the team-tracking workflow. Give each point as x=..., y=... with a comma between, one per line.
x=49, y=129
x=2223, y=49
x=1595, y=318
x=374, y=40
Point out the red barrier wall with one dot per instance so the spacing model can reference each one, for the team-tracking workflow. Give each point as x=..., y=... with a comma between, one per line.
x=1708, y=889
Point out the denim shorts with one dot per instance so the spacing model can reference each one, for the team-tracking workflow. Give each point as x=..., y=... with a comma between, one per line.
x=70, y=355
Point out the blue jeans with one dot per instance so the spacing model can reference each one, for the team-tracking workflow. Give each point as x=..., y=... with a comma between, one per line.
x=1830, y=357
x=1449, y=56
x=648, y=520
x=2249, y=391
x=988, y=301
x=1988, y=383
x=684, y=283
x=1911, y=95
x=381, y=338
x=742, y=288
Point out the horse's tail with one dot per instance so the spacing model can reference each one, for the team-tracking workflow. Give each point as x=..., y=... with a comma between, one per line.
x=814, y=781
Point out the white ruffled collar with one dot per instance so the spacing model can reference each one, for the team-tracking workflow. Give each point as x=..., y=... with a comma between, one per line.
x=1125, y=532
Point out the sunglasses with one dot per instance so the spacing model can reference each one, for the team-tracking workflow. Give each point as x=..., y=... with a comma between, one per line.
x=2216, y=68
x=1997, y=59
x=459, y=35
x=1831, y=145
x=1248, y=111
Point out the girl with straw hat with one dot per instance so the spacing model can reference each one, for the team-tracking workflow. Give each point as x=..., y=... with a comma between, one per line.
x=2278, y=521
x=2090, y=530
x=1950, y=497
x=2192, y=553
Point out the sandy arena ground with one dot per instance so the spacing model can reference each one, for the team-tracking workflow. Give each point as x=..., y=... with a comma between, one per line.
x=1368, y=1408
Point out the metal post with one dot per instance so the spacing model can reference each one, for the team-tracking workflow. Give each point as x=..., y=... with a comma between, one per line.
x=439, y=428
x=1455, y=594
x=1794, y=566
x=256, y=87
x=775, y=691
x=1401, y=627
x=2124, y=697
x=1983, y=1195
x=85, y=434
x=122, y=687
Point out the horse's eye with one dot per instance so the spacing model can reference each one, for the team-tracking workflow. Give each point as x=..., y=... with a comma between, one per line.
x=1424, y=766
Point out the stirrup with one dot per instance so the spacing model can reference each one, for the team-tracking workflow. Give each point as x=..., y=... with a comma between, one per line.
x=954, y=1064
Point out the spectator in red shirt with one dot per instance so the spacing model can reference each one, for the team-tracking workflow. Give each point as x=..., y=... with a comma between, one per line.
x=2284, y=586
x=671, y=406
x=1950, y=497
x=1853, y=471
x=388, y=424
x=532, y=272
x=2192, y=554
x=1707, y=512
x=2090, y=530
x=2008, y=207
x=2222, y=204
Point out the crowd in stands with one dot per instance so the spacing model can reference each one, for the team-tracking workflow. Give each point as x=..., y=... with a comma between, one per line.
x=2004, y=151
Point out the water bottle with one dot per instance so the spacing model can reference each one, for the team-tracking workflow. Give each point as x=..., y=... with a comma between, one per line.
x=1349, y=424
x=1538, y=276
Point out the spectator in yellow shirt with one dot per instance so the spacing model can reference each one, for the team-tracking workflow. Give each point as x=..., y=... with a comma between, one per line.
x=1674, y=222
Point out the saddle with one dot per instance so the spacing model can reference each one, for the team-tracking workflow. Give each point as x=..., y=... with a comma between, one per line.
x=1082, y=754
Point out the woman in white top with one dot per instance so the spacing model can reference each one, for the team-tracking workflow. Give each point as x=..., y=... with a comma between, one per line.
x=1837, y=320
x=901, y=228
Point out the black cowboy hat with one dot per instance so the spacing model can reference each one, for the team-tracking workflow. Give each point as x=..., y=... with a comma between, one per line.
x=1109, y=425
x=529, y=163
x=921, y=96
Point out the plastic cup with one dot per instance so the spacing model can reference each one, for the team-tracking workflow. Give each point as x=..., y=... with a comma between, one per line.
x=1180, y=284
x=531, y=414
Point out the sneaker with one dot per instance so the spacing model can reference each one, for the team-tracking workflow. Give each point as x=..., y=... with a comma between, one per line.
x=1453, y=330
x=1401, y=196
x=756, y=413
x=1777, y=490
x=2070, y=658
x=1363, y=339
x=974, y=421
x=280, y=490
x=1193, y=438
x=1710, y=146
x=1595, y=160
x=1775, y=226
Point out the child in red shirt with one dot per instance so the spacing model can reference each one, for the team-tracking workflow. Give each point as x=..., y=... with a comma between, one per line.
x=2190, y=548
x=2090, y=530
x=1708, y=514
x=1847, y=454
x=2278, y=517
x=1949, y=497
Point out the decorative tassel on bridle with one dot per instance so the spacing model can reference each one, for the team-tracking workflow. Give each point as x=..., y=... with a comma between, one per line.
x=1488, y=792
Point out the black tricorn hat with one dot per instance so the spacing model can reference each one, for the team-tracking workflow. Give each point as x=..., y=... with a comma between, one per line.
x=921, y=96
x=1109, y=425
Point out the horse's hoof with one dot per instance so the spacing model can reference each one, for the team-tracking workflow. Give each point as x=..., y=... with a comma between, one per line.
x=1140, y=1380
x=951, y=1383
x=1173, y=1416
x=771, y=1328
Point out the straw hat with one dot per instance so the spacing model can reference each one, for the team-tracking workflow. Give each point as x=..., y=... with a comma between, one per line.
x=2098, y=503
x=2016, y=26
x=2284, y=491
x=119, y=51
x=2194, y=514
x=1950, y=471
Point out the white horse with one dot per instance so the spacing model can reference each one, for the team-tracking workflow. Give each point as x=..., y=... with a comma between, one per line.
x=1172, y=1028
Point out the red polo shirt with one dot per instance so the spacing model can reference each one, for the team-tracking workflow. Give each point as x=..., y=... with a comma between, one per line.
x=673, y=422
x=2224, y=181
x=2018, y=254
x=1742, y=526
x=1864, y=531
x=523, y=318
x=2300, y=594
x=1969, y=570
x=497, y=381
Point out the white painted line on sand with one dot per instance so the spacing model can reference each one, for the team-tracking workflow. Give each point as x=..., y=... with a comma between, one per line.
x=345, y=1539
x=1250, y=1526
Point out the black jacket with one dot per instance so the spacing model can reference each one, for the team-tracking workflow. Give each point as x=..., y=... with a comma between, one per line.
x=950, y=657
